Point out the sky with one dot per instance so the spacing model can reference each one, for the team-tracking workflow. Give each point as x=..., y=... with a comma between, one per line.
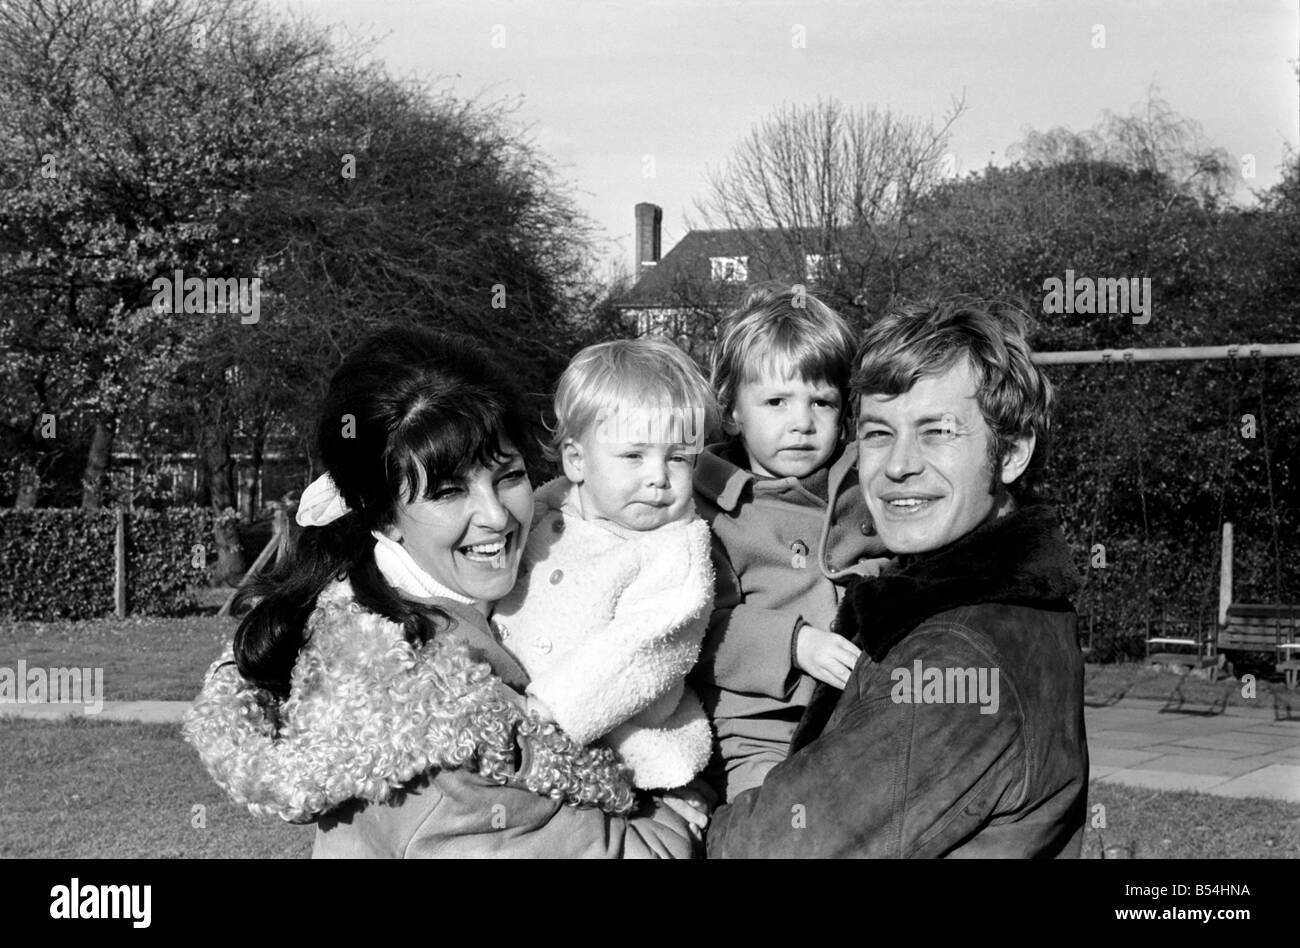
x=602, y=86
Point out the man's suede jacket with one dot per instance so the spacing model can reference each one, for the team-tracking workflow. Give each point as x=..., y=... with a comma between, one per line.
x=960, y=732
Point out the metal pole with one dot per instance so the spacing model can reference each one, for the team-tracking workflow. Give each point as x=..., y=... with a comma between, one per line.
x=1170, y=354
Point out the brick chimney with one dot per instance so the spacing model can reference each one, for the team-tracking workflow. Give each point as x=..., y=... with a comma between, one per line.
x=649, y=217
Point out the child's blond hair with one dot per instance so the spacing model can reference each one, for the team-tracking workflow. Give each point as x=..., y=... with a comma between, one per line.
x=624, y=382
x=781, y=329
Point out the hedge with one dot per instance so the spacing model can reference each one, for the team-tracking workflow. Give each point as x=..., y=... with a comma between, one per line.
x=58, y=564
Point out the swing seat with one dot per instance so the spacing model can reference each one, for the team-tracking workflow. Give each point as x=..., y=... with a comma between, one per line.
x=1195, y=638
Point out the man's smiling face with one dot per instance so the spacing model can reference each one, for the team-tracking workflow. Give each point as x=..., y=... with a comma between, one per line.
x=923, y=461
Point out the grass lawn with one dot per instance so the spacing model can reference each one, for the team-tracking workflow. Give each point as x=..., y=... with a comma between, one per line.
x=1105, y=684
x=159, y=659
x=1150, y=824
x=84, y=789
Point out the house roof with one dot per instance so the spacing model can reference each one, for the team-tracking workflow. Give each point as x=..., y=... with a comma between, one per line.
x=684, y=275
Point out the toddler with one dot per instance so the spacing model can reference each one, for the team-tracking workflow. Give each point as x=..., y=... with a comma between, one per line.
x=790, y=527
x=616, y=584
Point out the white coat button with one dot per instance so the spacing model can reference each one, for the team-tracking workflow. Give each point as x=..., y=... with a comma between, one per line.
x=556, y=577
x=544, y=645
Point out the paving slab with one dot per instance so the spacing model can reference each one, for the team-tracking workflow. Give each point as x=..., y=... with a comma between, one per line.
x=1148, y=746
x=1191, y=724
x=1120, y=739
x=148, y=712
x=1119, y=716
x=1288, y=729
x=1252, y=742
x=1185, y=763
x=1165, y=780
x=1230, y=744
x=1119, y=757
x=1281, y=781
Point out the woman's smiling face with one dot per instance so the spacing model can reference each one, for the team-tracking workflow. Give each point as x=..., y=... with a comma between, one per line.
x=470, y=535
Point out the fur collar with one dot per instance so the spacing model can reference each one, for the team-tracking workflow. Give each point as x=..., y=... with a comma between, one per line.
x=1020, y=558
x=367, y=712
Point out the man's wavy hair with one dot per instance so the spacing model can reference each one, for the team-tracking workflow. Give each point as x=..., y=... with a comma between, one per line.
x=918, y=339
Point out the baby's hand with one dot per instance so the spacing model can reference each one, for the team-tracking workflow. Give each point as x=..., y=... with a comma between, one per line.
x=540, y=708
x=690, y=804
x=826, y=656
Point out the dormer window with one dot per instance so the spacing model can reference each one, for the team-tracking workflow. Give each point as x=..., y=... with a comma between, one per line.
x=729, y=269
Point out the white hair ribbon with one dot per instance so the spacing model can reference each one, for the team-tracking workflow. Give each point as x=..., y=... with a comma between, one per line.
x=321, y=503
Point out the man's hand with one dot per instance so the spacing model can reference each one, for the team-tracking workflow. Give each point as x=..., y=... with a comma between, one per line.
x=826, y=656
x=873, y=567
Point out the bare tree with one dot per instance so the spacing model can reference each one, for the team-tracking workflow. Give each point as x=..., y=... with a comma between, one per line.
x=830, y=188
x=1152, y=138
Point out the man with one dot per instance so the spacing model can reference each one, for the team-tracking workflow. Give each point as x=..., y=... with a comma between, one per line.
x=960, y=730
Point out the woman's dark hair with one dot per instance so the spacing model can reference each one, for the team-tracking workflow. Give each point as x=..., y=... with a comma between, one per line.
x=407, y=411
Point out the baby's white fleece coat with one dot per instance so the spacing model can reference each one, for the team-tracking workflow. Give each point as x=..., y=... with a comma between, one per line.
x=608, y=622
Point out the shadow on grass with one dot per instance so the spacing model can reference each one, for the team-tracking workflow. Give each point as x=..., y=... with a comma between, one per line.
x=1183, y=693
x=1179, y=704
x=1285, y=709
x=1093, y=700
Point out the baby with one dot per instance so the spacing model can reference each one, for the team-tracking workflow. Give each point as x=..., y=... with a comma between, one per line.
x=616, y=585
x=790, y=527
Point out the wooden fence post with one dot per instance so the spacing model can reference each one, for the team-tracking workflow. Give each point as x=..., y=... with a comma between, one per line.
x=1225, y=573
x=119, y=563
x=281, y=529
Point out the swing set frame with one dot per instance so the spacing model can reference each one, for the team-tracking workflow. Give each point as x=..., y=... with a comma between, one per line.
x=1271, y=627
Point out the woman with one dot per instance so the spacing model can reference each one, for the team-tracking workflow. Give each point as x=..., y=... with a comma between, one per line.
x=368, y=690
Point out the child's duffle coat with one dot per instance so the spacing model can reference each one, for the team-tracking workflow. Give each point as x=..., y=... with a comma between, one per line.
x=784, y=550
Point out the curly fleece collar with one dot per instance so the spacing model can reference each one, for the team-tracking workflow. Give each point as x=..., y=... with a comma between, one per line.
x=368, y=712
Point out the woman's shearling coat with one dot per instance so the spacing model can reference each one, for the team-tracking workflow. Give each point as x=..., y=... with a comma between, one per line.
x=608, y=622
x=402, y=750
